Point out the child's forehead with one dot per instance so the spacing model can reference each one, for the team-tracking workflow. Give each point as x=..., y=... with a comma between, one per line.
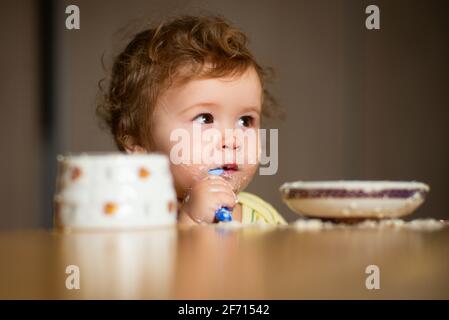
x=244, y=87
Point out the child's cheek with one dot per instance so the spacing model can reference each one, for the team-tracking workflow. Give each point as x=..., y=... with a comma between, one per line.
x=250, y=149
x=183, y=179
x=185, y=175
x=241, y=180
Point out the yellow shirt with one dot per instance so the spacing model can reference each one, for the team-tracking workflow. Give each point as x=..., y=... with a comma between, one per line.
x=256, y=210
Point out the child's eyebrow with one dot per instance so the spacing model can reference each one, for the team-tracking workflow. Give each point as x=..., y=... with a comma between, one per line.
x=198, y=105
x=214, y=105
x=251, y=108
x=203, y=104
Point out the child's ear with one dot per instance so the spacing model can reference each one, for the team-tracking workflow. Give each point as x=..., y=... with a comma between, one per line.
x=135, y=149
x=131, y=147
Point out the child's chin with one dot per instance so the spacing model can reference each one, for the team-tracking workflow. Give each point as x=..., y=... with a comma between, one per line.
x=239, y=183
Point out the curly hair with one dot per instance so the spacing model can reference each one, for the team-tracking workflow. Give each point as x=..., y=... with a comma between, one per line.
x=172, y=52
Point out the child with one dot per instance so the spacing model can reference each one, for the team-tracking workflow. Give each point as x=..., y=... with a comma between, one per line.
x=187, y=72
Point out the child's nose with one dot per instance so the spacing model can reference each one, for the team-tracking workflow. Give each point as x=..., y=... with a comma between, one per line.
x=229, y=141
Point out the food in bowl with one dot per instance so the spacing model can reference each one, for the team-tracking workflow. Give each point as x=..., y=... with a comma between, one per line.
x=354, y=199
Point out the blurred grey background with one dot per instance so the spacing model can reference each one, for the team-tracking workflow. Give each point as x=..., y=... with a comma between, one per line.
x=360, y=104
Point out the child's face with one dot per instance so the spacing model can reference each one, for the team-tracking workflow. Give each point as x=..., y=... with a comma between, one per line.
x=231, y=105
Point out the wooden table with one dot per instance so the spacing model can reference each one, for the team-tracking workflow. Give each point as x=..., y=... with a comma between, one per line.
x=210, y=262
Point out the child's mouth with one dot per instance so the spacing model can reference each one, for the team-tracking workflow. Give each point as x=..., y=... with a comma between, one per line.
x=224, y=170
x=230, y=167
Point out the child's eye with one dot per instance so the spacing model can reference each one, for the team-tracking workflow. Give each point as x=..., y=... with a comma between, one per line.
x=246, y=121
x=204, y=118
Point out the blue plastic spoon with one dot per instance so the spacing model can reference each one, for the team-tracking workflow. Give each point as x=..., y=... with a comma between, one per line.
x=224, y=213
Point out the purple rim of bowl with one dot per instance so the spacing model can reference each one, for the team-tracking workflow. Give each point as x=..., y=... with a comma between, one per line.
x=353, y=193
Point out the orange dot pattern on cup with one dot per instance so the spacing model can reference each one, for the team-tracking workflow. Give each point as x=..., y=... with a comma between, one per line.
x=75, y=173
x=171, y=206
x=144, y=173
x=110, y=208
